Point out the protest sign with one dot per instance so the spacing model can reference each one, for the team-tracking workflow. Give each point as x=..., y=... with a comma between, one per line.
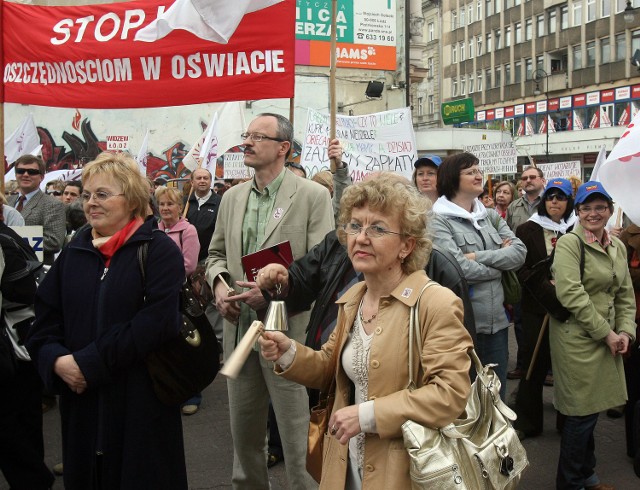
x=34, y=238
x=562, y=170
x=383, y=141
x=234, y=167
x=495, y=158
x=148, y=53
x=117, y=143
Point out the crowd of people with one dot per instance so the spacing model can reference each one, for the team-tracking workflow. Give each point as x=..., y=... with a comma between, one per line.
x=365, y=254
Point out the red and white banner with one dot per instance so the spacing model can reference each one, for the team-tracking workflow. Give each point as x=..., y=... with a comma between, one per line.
x=189, y=52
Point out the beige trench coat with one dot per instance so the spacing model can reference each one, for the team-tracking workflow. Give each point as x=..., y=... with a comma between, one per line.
x=443, y=378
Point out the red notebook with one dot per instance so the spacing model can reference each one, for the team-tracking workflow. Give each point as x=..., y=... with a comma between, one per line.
x=275, y=254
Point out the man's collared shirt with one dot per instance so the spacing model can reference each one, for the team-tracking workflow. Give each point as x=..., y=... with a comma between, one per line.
x=202, y=200
x=256, y=216
x=27, y=196
x=532, y=206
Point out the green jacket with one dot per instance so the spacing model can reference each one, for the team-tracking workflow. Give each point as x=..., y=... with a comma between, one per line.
x=588, y=379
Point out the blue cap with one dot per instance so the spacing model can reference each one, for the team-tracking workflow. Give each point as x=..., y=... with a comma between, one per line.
x=563, y=184
x=434, y=160
x=590, y=188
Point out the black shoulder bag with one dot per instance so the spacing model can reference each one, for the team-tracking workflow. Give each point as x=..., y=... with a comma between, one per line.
x=186, y=365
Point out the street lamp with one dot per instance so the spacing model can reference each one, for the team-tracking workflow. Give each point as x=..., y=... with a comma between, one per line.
x=629, y=13
x=538, y=75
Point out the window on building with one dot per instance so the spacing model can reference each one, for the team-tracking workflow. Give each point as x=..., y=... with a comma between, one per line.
x=420, y=108
x=528, y=66
x=517, y=72
x=462, y=52
x=528, y=30
x=471, y=84
x=488, y=42
x=487, y=78
x=454, y=53
x=621, y=48
x=498, y=77
x=540, y=62
x=635, y=41
x=454, y=20
x=463, y=86
x=478, y=45
x=430, y=67
x=454, y=87
x=498, y=6
x=498, y=37
x=605, y=8
x=517, y=2
x=508, y=4
x=577, y=57
x=564, y=17
x=471, y=52
x=479, y=78
x=432, y=104
x=518, y=32
x=591, y=53
x=605, y=50
x=463, y=17
x=552, y=24
x=591, y=10
x=577, y=13
x=431, y=31
x=470, y=13
x=488, y=10
x=479, y=10
x=507, y=37
x=507, y=74
x=540, y=25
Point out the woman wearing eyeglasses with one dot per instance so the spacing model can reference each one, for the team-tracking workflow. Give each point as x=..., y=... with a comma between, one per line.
x=593, y=283
x=384, y=227
x=484, y=246
x=554, y=218
x=96, y=321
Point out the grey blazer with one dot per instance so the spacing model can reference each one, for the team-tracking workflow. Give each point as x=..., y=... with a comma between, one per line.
x=48, y=212
x=302, y=214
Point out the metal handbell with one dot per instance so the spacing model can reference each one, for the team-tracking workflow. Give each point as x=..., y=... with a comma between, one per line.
x=276, y=318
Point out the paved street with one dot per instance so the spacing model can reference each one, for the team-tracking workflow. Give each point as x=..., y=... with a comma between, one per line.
x=209, y=452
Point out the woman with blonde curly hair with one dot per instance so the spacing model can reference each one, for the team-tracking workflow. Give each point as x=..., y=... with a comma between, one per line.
x=97, y=319
x=384, y=227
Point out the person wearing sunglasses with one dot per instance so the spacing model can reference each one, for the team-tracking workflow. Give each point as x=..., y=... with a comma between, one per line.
x=554, y=218
x=593, y=282
x=55, y=188
x=37, y=208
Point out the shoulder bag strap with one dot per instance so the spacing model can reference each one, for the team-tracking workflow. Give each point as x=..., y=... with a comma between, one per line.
x=414, y=331
x=580, y=242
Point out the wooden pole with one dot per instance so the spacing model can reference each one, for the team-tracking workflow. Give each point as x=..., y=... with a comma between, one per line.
x=332, y=77
x=619, y=218
x=292, y=109
x=543, y=329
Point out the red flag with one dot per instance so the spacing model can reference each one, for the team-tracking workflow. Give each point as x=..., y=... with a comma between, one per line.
x=87, y=56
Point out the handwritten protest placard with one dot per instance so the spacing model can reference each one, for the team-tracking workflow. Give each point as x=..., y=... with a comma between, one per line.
x=495, y=158
x=234, y=167
x=562, y=170
x=383, y=141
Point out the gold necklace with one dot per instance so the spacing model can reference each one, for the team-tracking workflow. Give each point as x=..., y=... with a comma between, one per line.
x=361, y=316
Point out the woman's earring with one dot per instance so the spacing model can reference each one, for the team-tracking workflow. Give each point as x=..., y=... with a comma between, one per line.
x=402, y=259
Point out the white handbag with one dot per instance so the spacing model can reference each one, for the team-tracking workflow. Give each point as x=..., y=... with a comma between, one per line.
x=480, y=451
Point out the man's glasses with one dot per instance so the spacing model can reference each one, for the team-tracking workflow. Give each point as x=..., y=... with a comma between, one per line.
x=30, y=171
x=558, y=196
x=373, y=231
x=99, y=196
x=54, y=193
x=257, y=137
x=524, y=178
x=588, y=209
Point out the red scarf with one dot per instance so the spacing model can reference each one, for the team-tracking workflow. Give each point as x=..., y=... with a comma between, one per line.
x=118, y=239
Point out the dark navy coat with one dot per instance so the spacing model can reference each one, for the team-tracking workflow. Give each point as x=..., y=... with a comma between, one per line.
x=117, y=431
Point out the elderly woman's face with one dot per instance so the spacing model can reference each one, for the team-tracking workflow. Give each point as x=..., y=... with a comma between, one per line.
x=104, y=204
x=376, y=254
x=169, y=210
x=503, y=195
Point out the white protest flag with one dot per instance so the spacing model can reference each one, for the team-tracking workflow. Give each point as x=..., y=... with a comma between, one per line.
x=620, y=173
x=23, y=141
x=602, y=156
x=64, y=175
x=230, y=127
x=551, y=124
x=209, y=150
x=143, y=154
x=212, y=20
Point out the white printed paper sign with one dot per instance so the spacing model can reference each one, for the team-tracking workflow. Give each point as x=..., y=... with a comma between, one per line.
x=383, y=141
x=562, y=170
x=234, y=167
x=495, y=158
x=33, y=236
